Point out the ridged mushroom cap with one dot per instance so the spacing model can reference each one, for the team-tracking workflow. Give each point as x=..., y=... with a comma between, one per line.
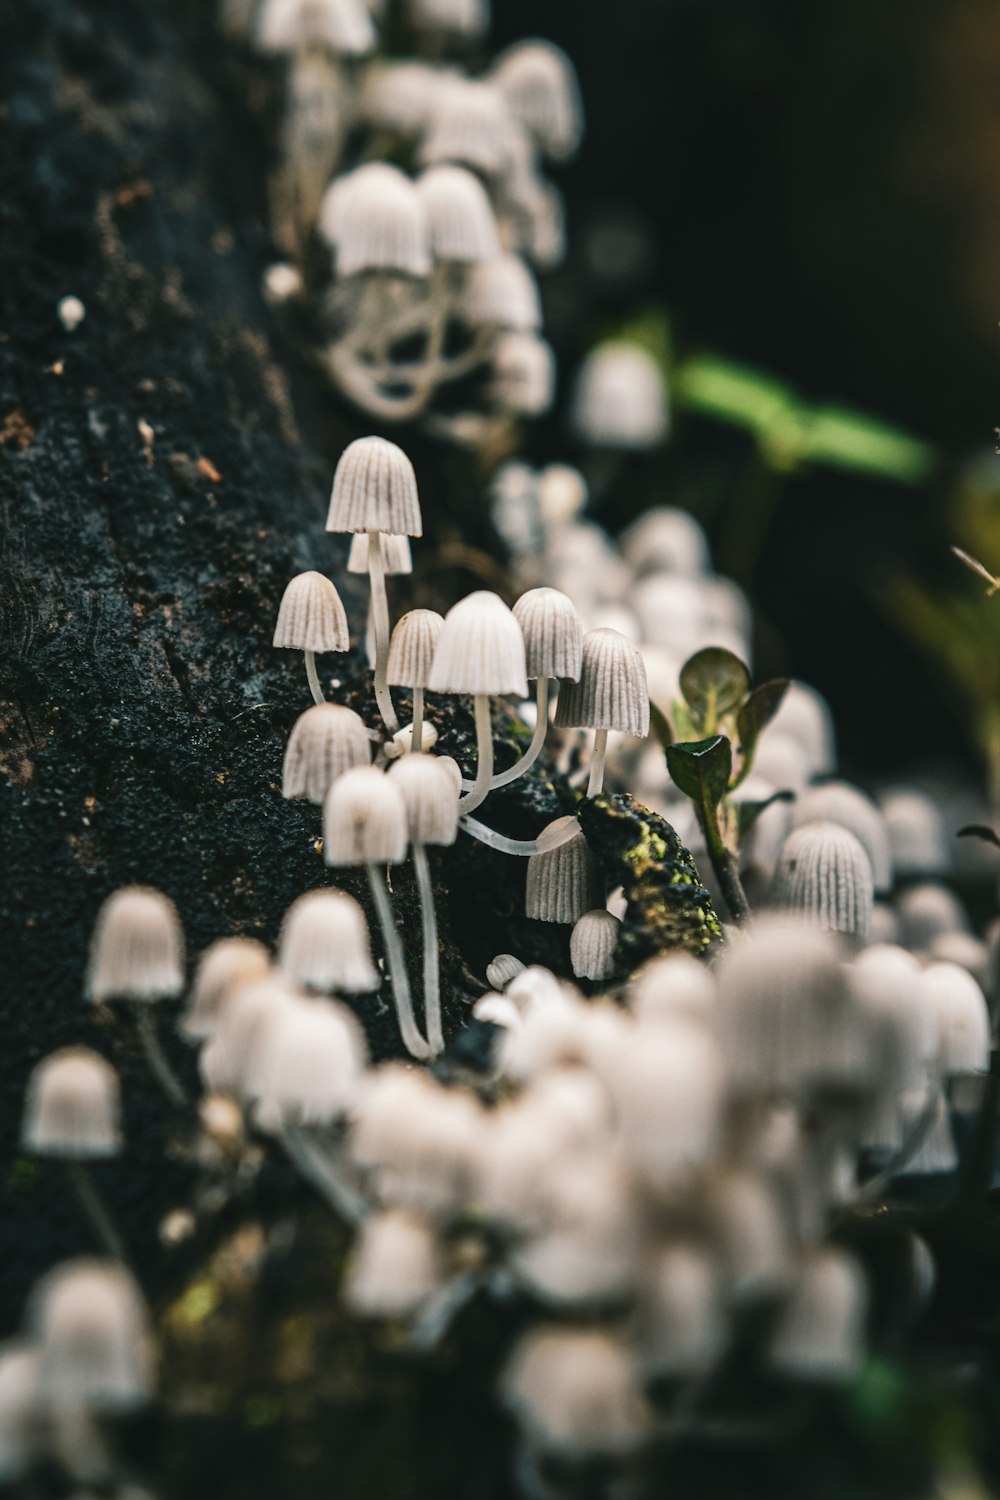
x=620, y=399
x=89, y=1321
x=553, y=634
x=460, y=218
x=364, y=820
x=397, y=556
x=430, y=790
x=820, y=1334
x=470, y=126
x=227, y=1064
x=137, y=950
x=592, y=944
x=480, y=650
x=374, y=489
x=562, y=883
x=502, y=293
x=377, y=223
x=460, y=18
x=824, y=873
x=401, y=96
x=962, y=1017
x=327, y=740
x=311, y=616
x=539, y=84
x=839, y=802
x=576, y=1392
x=72, y=1108
x=344, y=27
x=323, y=944
x=611, y=692
x=225, y=963
x=886, y=984
x=311, y=1069
x=501, y=969
x=412, y=647
x=524, y=374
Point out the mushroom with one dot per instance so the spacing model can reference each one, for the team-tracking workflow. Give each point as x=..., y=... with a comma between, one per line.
x=481, y=651
x=620, y=399
x=820, y=1332
x=365, y=823
x=323, y=944
x=224, y=963
x=592, y=944
x=577, y=1394
x=325, y=741
x=311, y=619
x=564, y=878
x=610, y=694
x=375, y=491
x=430, y=788
x=824, y=872
x=397, y=562
x=89, y=1321
x=411, y=655
x=539, y=84
x=501, y=969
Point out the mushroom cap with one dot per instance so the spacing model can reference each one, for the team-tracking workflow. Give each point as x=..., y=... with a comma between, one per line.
x=524, y=374
x=228, y=1063
x=430, y=790
x=562, y=883
x=683, y=1328
x=501, y=969
x=620, y=399
x=311, y=1069
x=412, y=647
x=311, y=616
x=223, y=964
x=400, y=96
x=344, y=27
x=562, y=494
x=820, y=1333
x=928, y=911
x=963, y=1018
x=670, y=986
x=666, y=540
x=137, y=949
x=375, y=222
x=805, y=715
x=461, y=18
x=839, y=802
x=481, y=649
x=592, y=944
x=470, y=126
x=374, y=489
x=502, y=293
x=365, y=820
x=90, y=1322
x=612, y=691
x=577, y=1392
x=323, y=944
x=539, y=83
x=396, y=1265
x=824, y=872
x=397, y=556
x=72, y=1109
x=553, y=634
x=460, y=218
x=327, y=740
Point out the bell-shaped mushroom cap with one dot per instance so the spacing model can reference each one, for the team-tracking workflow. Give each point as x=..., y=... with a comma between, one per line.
x=805, y=715
x=374, y=489
x=682, y=1323
x=502, y=969
x=620, y=399
x=19, y=1408
x=820, y=1333
x=431, y=792
x=245, y=1015
x=396, y=1266
x=325, y=741
x=750, y=1231
x=377, y=223
x=611, y=692
x=839, y=802
x=324, y=945
x=401, y=96
x=916, y=833
x=576, y=1393
x=459, y=216
x=666, y=540
x=668, y=1092
x=397, y=558
x=901, y=1013
x=670, y=987
x=310, y=1072
x=502, y=293
x=539, y=84
x=226, y=963
x=965, y=950
x=344, y=27
x=553, y=634
x=825, y=874
x=458, y=18
x=565, y=882
x=928, y=911
x=524, y=374
x=470, y=126
x=585, y=1254
x=90, y=1322
x=311, y=616
x=137, y=950
x=72, y=1109
x=783, y=761
x=419, y=1142
x=592, y=944
x=412, y=647
x=962, y=1017
x=562, y=494
x=364, y=820
x=480, y=650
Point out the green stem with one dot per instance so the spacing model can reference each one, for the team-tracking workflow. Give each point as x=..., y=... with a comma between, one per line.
x=724, y=865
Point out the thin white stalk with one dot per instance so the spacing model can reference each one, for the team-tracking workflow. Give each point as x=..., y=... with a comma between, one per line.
x=441, y=1308
x=158, y=1065
x=417, y=729
x=484, y=756
x=527, y=760
x=314, y=684
x=412, y=1040
x=522, y=847
x=323, y=1172
x=380, y=613
x=93, y=1206
x=598, y=756
x=921, y=1128
x=432, y=978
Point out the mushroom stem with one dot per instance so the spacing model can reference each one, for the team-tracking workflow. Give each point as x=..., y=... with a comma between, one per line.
x=484, y=756
x=412, y=1040
x=598, y=756
x=159, y=1067
x=527, y=760
x=874, y=1187
x=417, y=727
x=522, y=847
x=316, y=1165
x=380, y=614
x=95, y=1210
x=432, y=985
x=314, y=684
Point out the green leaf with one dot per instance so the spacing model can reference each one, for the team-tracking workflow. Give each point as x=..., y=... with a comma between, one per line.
x=701, y=770
x=850, y=440
x=714, y=681
x=747, y=813
x=756, y=713
x=737, y=394
x=661, y=726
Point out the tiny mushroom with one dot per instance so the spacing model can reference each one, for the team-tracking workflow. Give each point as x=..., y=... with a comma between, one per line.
x=311, y=619
x=327, y=740
x=611, y=694
x=411, y=655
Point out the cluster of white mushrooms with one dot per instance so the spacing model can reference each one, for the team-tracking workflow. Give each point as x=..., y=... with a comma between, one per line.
x=641, y=1164
x=430, y=260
